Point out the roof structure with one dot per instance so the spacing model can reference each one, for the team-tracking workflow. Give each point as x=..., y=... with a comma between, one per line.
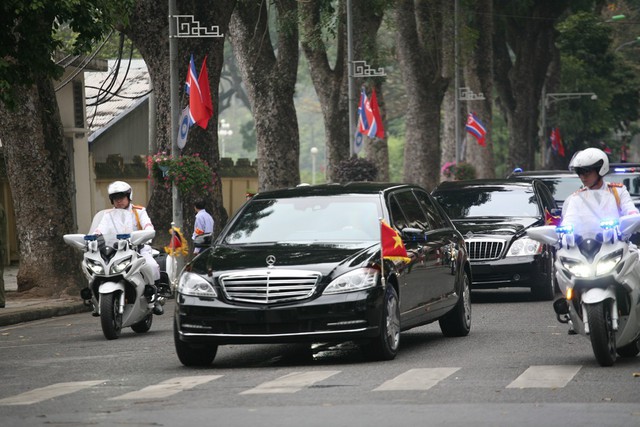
x=113, y=93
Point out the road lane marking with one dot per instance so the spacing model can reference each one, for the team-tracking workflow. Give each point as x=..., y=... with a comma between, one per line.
x=417, y=379
x=167, y=388
x=545, y=376
x=48, y=392
x=291, y=383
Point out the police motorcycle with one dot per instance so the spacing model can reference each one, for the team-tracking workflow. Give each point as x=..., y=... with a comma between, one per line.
x=598, y=272
x=121, y=287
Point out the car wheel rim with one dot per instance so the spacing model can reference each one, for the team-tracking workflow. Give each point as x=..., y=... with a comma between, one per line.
x=393, y=323
x=466, y=301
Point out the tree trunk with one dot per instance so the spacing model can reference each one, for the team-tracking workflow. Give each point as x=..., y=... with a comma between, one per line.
x=479, y=78
x=39, y=171
x=331, y=84
x=419, y=47
x=449, y=67
x=521, y=59
x=148, y=30
x=270, y=77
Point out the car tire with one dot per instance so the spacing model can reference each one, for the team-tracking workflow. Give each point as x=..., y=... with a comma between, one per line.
x=457, y=322
x=385, y=345
x=547, y=291
x=193, y=354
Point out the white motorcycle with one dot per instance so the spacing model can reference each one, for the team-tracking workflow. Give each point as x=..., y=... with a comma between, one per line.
x=121, y=288
x=599, y=276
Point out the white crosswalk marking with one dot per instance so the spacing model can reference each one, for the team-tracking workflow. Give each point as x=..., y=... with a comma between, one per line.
x=545, y=376
x=291, y=383
x=167, y=388
x=49, y=392
x=417, y=379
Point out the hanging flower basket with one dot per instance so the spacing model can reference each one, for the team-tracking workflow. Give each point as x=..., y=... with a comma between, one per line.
x=191, y=174
x=459, y=171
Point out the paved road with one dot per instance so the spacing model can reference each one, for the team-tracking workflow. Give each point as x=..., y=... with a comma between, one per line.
x=518, y=366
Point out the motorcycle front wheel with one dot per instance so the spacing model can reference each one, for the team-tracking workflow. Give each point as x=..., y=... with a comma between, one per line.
x=603, y=337
x=110, y=318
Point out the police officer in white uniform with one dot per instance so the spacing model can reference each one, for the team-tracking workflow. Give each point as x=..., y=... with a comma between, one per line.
x=120, y=194
x=597, y=200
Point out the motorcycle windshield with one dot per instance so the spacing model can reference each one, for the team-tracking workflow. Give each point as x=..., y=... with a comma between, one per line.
x=586, y=210
x=113, y=222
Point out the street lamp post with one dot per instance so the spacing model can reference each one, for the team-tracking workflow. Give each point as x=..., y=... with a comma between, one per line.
x=314, y=153
x=547, y=100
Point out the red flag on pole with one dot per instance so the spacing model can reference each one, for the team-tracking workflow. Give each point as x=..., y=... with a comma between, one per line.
x=475, y=127
x=200, y=105
x=203, y=82
x=379, y=131
x=556, y=142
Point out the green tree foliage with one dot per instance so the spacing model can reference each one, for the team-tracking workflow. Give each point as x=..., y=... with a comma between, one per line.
x=30, y=35
x=590, y=65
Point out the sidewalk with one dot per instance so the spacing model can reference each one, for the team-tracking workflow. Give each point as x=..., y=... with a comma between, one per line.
x=21, y=308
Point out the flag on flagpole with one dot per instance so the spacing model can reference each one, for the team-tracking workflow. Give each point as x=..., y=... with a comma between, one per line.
x=197, y=87
x=377, y=119
x=551, y=219
x=358, y=142
x=178, y=244
x=556, y=142
x=392, y=246
x=363, y=123
x=476, y=129
x=205, y=91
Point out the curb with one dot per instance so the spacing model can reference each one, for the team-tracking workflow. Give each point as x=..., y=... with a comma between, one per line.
x=42, y=312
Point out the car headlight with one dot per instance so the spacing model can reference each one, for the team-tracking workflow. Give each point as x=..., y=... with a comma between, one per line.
x=95, y=266
x=608, y=263
x=195, y=285
x=525, y=246
x=355, y=280
x=575, y=267
x=120, y=266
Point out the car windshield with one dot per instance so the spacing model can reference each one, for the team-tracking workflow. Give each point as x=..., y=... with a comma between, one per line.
x=318, y=219
x=505, y=201
x=562, y=187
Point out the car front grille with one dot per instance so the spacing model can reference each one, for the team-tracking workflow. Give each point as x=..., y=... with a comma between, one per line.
x=484, y=249
x=268, y=286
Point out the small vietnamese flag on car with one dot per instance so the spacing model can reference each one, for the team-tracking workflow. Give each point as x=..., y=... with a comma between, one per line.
x=392, y=246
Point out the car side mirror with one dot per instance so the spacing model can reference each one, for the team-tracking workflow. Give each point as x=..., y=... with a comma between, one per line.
x=414, y=235
x=202, y=241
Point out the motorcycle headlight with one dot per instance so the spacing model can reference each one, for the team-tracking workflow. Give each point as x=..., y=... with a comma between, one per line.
x=95, y=267
x=575, y=267
x=195, y=285
x=608, y=263
x=525, y=246
x=121, y=266
x=355, y=280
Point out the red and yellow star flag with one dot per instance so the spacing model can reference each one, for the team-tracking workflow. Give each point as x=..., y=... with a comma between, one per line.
x=392, y=246
x=178, y=244
x=551, y=219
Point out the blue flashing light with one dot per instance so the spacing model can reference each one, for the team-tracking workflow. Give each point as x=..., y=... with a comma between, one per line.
x=608, y=224
x=123, y=236
x=90, y=237
x=564, y=229
x=619, y=169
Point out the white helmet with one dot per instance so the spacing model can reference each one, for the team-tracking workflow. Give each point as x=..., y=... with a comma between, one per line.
x=590, y=158
x=119, y=189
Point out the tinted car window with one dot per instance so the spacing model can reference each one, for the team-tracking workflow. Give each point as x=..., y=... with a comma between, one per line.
x=413, y=214
x=489, y=201
x=308, y=219
x=434, y=217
